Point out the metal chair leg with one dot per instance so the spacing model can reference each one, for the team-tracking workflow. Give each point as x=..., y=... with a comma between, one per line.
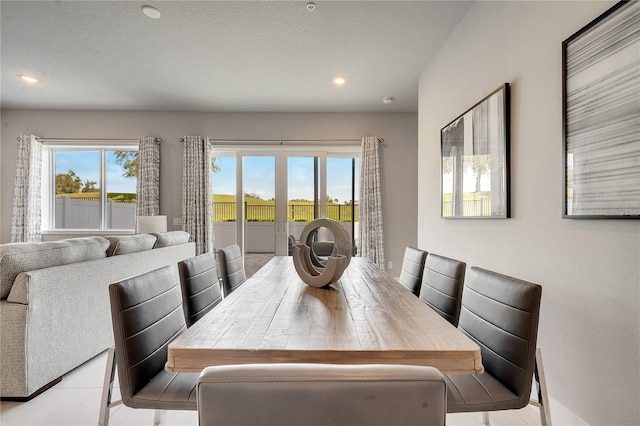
x=107, y=388
x=485, y=418
x=543, y=397
x=157, y=417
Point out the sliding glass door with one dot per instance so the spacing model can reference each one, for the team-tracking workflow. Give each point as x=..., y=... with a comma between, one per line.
x=280, y=193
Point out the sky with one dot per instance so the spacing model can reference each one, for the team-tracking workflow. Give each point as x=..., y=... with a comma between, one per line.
x=86, y=165
x=259, y=177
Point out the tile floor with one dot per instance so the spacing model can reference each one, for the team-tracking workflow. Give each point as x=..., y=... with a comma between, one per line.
x=75, y=401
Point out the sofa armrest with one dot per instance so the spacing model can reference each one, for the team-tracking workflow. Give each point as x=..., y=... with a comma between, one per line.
x=20, y=290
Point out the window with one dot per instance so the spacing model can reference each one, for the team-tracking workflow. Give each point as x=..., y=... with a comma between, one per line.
x=90, y=187
x=281, y=190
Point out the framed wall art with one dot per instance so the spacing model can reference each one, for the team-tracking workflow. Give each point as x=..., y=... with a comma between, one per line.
x=475, y=160
x=601, y=116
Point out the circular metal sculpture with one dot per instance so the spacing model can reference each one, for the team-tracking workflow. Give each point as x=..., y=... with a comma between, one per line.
x=315, y=270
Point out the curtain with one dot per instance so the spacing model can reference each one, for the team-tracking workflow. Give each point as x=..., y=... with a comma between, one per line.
x=197, y=206
x=148, y=186
x=370, y=212
x=26, y=216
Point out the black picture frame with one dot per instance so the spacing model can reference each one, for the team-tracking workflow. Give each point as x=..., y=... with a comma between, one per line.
x=474, y=166
x=601, y=116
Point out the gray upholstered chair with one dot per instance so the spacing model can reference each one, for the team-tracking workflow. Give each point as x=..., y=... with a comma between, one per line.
x=231, y=268
x=200, y=286
x=442, y=283
x=412, y=265
x=500, y=314
x=146, y=313
x=320, y=394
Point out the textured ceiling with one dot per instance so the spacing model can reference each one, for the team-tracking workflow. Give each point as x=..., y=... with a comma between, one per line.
x=220, y=55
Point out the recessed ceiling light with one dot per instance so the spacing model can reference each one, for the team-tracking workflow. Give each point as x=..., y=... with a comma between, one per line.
x=340, y=80
x=151, y=11
x=311, y=7
x=387, y=100
x=29, y=79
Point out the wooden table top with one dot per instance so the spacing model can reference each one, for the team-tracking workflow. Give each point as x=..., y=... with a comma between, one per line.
x=366, y=317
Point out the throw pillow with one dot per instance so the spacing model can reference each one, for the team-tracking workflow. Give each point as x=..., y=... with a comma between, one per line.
x=130, y=244
x=171, y=238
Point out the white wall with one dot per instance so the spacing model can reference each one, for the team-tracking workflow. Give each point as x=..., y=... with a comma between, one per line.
x=589, y=269
x=398, y=155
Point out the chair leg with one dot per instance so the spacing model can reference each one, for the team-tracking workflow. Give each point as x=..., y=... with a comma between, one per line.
x=543, y=397
x=107, y=388
x=157, y=418
x=485, y=418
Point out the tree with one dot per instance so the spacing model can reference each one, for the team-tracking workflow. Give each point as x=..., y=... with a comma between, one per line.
x=89, y=186
x=129, y=162
x=479, y=164
x=68, y=183
x=252, y=195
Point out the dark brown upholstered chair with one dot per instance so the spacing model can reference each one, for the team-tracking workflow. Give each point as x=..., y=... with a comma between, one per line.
x=146, y=313
x=320, y=394
x=412, y=266
x=200, y=286
x=231, y=268
x=442, y=283
x=500, y=314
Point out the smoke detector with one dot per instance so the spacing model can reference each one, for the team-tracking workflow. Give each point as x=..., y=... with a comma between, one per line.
x=387, y=100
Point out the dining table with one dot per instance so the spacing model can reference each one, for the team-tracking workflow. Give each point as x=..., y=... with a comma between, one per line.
x=365, y=317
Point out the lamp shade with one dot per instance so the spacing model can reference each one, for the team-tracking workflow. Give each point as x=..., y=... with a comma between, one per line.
x=146, y=224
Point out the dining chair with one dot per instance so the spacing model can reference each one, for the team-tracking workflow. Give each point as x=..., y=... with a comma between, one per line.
x=200, y=286
x=412, y=266
x=442, y=284
x=320, y=394
x=500, y=314
x=146, y=314
x=231, y=268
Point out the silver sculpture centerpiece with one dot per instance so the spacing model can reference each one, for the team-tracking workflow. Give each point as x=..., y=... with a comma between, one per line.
x=317, y=271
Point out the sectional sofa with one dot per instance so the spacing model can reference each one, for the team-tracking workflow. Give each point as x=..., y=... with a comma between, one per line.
x=54, y=301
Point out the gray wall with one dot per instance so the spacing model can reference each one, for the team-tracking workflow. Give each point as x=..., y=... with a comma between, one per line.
x=398, y=154
x=589, y=269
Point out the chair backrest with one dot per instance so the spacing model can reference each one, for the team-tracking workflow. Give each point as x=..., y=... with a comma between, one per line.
x=200, y=286
x=231, y=268
x=501, y=314
x=442, y=284
x=412, y=265
x=146, y=313
x=320, y=394
x=291, y=241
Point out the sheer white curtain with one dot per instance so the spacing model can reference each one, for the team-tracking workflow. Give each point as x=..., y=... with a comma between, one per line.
x=148, y=186
x=370, y=216
x=26, y=216
x=197, y=206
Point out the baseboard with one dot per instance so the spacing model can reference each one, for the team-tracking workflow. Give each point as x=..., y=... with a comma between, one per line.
x=33, y=395
x=561, y=415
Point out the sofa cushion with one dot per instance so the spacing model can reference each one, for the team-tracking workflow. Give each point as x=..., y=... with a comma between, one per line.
x=130, y=244
x=20, y=257
x=171, y=238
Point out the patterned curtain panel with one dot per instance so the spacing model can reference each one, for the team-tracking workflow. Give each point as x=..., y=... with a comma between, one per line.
x=197, y=206
x=370, y=216
x=27, y=213
x=148, y=187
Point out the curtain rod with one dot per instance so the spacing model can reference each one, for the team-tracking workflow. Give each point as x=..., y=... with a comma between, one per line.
x=283, y=141
x=75, y=140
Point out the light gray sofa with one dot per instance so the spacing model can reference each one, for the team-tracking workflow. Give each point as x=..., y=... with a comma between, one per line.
x=54, y=301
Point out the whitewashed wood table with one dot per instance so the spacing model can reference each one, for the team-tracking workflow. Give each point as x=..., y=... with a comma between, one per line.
x=366, y=317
